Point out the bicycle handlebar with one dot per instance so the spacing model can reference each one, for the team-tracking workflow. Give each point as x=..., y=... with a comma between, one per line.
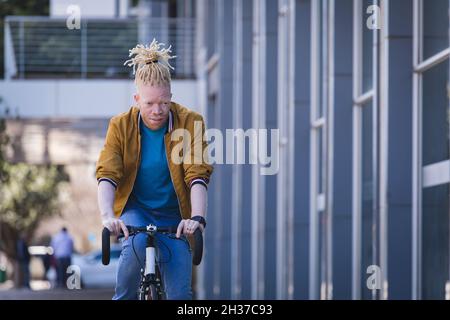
x=198, y=241
x=106, y=234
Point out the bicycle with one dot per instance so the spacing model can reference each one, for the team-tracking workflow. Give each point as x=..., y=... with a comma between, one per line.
x=151, y=283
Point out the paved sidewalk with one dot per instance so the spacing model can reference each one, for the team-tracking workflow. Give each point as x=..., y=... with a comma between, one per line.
x=9, y=293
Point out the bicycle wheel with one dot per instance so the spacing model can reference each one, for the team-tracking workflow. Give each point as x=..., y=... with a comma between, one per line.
x=153, y=288
x=161, y=288
x=148, y=293
x=153, y=293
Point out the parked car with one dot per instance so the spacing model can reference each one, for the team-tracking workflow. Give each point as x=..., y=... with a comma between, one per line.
x=93, y=273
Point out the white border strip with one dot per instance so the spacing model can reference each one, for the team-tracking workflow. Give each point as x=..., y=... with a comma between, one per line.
x=436, y=174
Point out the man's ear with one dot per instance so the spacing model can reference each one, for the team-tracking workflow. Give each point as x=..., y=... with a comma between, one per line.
x=136, y=98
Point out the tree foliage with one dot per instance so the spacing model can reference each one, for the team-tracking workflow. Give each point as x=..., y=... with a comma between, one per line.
x=28, y=194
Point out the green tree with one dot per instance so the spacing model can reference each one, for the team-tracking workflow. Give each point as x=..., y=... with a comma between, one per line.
x=28, y=194
x=3, y=142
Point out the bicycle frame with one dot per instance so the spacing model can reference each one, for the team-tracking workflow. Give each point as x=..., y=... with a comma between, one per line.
x=151, y=275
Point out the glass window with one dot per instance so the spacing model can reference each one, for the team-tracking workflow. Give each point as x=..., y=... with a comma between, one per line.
x=435, y=200
x=367, y=50
x=212, y=27
x=367, y=228
x=435, y=125
x=322, y=251
x=320, y=160
x=435, y=27
x=435, y=241
x=321, y=212
x=322, y=56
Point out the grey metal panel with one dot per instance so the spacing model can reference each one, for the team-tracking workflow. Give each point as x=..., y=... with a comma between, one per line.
x=207, y=263
x=271, y=123
x=211, y=261
x=236, y=191
x=343, y=152
x=246, y=170
x=400, y=150
x=225, y=32
x=211, y=243
x=302, y=96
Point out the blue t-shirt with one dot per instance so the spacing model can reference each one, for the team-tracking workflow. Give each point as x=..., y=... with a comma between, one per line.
x=153, y=188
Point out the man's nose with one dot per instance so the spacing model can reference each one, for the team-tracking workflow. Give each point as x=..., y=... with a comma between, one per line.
x=157, y=109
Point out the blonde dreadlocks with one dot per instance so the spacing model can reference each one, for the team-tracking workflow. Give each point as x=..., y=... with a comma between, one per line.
x=152, y=63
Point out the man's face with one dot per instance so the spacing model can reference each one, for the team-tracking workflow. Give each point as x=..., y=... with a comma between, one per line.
x=154, y=103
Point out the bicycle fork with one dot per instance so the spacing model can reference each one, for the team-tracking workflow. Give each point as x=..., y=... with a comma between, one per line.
x=150, y=257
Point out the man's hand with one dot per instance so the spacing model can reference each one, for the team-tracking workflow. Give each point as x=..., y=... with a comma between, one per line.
x=115, y=225
x=188, y=227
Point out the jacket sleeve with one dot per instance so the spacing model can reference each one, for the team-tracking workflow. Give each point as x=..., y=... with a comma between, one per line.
x=110, y=162
x=198, y=170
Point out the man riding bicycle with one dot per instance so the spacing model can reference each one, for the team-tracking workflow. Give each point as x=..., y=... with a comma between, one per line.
x=142, y=181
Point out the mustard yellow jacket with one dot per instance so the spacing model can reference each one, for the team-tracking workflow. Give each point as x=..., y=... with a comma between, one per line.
x=119, y=159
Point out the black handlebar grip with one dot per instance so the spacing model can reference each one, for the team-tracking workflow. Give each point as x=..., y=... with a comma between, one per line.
x=198, y=247
x=105, y=246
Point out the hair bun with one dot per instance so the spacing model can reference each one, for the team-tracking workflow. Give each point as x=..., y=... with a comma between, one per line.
x=151, y=62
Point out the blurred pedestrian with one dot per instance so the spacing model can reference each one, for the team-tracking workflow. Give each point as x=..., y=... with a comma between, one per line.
x=62, y=244
x=23, y=258
x=46, y=262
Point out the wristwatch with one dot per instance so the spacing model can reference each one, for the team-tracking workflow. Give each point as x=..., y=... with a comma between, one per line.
x=199, y=219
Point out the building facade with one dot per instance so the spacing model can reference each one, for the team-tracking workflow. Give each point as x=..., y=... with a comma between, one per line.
x=359, y=208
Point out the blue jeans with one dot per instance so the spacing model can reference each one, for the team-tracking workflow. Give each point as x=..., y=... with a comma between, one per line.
x=173, y=256
x=62, y=263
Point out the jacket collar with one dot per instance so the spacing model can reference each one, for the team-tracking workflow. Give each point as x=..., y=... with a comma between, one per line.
x=169, y=128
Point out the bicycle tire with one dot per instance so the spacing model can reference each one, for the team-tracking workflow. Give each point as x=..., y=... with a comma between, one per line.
x=161, y=291
x=153, y=293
